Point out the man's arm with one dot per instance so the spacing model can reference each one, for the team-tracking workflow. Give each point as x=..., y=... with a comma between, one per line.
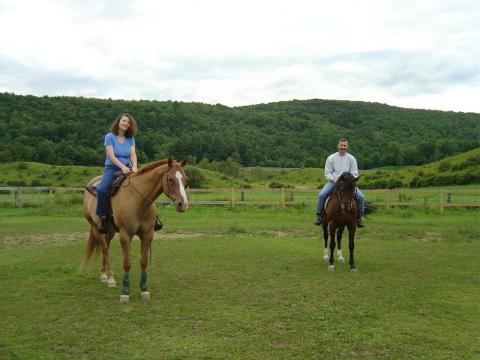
x=354, y=167
x=329, y=170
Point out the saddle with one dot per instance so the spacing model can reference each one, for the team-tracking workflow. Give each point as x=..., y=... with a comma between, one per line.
x=114, y=187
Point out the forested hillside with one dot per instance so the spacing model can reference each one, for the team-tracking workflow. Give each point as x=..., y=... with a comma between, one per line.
x=70, y=130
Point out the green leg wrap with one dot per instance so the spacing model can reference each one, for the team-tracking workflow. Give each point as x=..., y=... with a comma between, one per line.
x=126, y=285
x=143, y=281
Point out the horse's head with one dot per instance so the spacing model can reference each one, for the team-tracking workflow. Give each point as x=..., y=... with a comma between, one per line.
x=174, y=183
x=346, y=184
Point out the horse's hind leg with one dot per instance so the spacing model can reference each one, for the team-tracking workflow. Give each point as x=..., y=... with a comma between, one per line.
x=103, y=271
x=325, y=238
x=106, y=274
x=333, y=228
x=339, y=244
x=109, y=272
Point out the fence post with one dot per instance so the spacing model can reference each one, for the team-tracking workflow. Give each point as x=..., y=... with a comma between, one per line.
x=18, y=197
x=242, y=196
x=233, y=197
x=282, y=202
x=386, y=199
x=449, y=198
x=441, y=201
x=292, y=197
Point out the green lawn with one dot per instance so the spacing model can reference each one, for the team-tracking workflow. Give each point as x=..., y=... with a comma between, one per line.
x=244, y=283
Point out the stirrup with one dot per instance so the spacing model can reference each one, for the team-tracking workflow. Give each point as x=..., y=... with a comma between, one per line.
x=320, y=220
x=158, y=224
x=360, y=223
x=102, y=227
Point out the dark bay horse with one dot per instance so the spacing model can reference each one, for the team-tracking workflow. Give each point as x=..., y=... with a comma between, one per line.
x=341, y=211
x=134, y=213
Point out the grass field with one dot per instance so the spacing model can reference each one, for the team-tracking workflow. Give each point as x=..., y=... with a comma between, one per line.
x=244, y=283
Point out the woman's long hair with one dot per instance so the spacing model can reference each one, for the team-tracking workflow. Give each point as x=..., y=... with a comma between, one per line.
x=132, y=129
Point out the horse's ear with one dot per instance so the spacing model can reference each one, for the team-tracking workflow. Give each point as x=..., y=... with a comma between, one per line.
x=356, y=178
x=183, y=162
x=170, y=162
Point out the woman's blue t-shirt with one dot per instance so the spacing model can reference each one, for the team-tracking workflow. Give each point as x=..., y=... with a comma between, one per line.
x=122, y=151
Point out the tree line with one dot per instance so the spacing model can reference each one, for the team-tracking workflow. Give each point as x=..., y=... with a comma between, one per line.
x=70, y=131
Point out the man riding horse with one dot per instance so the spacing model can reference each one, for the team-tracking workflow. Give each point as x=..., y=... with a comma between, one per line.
x=337, y=164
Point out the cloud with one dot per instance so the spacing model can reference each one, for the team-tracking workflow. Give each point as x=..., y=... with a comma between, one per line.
x=405, y=53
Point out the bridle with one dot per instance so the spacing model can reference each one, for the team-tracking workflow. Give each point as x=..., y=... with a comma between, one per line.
x=168, y=193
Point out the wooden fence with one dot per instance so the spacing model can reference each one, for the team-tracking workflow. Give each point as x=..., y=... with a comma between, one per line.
x=435, y=198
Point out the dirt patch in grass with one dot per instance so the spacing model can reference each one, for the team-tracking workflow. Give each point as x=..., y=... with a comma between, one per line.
x=59, y=238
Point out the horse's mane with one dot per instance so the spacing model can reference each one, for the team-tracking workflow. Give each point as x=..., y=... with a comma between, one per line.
x=151, y=166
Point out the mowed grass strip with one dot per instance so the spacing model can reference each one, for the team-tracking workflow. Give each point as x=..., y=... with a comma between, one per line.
x=251, y=284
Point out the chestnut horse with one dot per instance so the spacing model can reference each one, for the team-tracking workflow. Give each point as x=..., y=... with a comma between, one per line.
x=134, y=213
x=341, y=211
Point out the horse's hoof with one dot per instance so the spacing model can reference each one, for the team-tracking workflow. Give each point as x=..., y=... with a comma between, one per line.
x=353, y=270
x=341, y=259
x=103, y=278
x=325, y=257
x=124, y=299
x=111, y=283
x=145, y=295
x=331, y=267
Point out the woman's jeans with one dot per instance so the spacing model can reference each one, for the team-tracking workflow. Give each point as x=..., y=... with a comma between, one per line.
x=327, y=190
x=103, y=188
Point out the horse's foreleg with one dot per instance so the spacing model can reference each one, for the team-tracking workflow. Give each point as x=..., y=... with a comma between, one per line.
x=125, y=242
x=325, y=238
x=351, y=246
x=145, y=249
x=333, y=228
x=339, y=244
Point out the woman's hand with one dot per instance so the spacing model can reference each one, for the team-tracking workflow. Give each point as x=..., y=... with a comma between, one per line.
x=134, y=169
x=126, y=170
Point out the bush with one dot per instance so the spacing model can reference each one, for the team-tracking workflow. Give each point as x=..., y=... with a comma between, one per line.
x=22, y=166
x=394, y=183
x=196, y=179
x=444, y=166
x=275, y=185
x=16, y=183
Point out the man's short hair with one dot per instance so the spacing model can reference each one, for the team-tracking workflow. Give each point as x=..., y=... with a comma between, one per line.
x=342, y=140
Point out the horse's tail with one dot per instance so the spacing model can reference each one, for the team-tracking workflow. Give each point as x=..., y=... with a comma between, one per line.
x=93, y=247
x=369, y=207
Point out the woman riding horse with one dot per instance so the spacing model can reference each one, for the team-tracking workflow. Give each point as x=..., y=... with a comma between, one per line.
x=121, y=156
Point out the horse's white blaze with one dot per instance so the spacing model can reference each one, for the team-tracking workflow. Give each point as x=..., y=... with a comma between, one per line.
x=178, y=175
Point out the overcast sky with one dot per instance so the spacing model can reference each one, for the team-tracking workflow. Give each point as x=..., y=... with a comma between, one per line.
x=419, y=54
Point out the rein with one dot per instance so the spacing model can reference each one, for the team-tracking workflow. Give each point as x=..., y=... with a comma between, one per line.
x=347, y=204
